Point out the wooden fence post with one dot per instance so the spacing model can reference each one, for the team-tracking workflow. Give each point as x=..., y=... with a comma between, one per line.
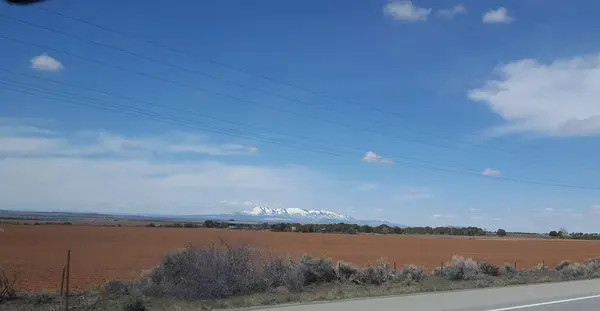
x=515, y=265
x=62, y=281
x=68, y=274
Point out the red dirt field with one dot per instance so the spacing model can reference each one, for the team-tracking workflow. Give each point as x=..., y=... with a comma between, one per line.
x=38, y=253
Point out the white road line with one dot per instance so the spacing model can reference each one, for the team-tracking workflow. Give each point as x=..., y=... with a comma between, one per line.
x=546, y=303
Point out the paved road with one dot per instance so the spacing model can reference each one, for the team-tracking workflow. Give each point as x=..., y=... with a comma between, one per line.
x=566, y=296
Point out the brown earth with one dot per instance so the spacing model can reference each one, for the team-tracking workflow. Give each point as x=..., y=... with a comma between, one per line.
x=37, y=253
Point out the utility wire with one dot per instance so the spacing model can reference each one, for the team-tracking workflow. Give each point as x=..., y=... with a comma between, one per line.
x=96, y=104
x=239, y=99
x=129, y=108
x=240, y=70
x=292, y=100
x=241, y=85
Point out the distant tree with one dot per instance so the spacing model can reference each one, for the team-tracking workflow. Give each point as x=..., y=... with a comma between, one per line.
x=501, y=232
x=563, y=232
x=210, y=224
x=553, y=234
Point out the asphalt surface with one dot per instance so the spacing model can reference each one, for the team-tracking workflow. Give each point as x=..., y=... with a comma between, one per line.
x=564, y=296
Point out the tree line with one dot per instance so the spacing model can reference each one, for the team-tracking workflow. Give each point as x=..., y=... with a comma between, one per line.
x=332, y=228
x=381, y=229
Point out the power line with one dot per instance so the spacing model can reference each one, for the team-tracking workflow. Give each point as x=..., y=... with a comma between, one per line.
x=241, y=85
x=237, y=69
x=256, y=103
x=295, y=101
x=309, y=139
x=89, y=102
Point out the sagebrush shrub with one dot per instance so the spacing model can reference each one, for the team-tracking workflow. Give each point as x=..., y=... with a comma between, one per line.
x=115, y=287
x=563, y=264
x=134, y=303
x=208, y=272
x=275, y=271
x=593, y=264
x=540, y=267
x=375, y=274
x=294, y=279
x=508, y=269
x=412, y=273
x=317, y=270
x=459, y=268
x=573, y=270
x=346, y=272
x=489, y=269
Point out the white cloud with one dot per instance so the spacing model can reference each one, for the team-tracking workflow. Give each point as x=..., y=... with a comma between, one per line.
x=143, y=186
x=102, y=172
x=46, y=63
x=23, y=140
x=497, y=16
x=559, y=99
x=226, y=149
x=474, y=209
x=372, y=157
x=596, y=209
x=438, y=216
x=406, y=11
x=549, y=209
x=490, y=172
x=451, y=13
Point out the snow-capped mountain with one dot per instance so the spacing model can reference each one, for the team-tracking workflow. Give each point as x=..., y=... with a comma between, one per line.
x=295, y=213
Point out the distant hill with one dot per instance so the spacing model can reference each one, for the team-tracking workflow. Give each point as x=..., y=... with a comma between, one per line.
x=257, y=214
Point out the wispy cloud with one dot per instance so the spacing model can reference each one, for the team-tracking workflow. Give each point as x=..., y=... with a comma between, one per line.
x=114, y=172
x=27, y=140
x=451, y=13
x=44, y=62
x=372, y=157
x=497, y=16
x=441, y=216
x=406, y=11
x=490, y=172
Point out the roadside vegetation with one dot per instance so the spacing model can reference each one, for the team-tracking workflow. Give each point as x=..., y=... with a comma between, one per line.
x=221, y=276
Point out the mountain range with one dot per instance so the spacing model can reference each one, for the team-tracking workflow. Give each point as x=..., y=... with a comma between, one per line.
x=257, y=214
x=299, y=215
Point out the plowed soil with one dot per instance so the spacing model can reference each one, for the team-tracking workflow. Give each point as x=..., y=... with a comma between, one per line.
x=37, y=254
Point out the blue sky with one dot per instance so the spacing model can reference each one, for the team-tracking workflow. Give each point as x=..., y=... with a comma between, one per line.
x=365, y=101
